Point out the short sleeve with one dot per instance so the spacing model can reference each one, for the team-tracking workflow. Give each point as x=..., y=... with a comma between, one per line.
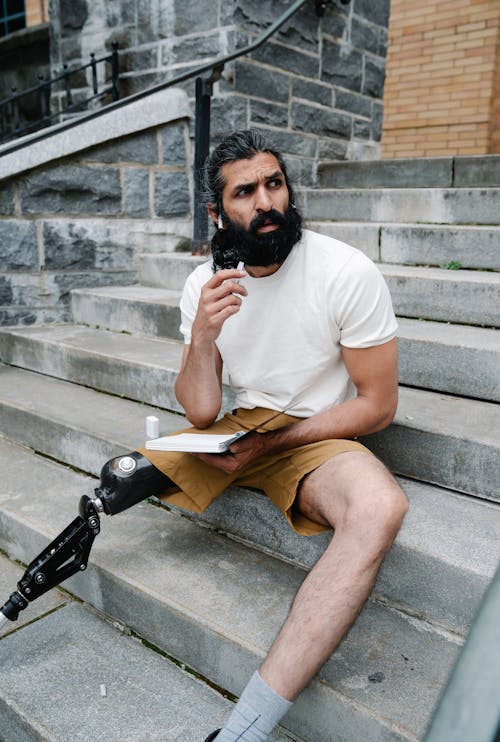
x=361, y=305
x=190, y=298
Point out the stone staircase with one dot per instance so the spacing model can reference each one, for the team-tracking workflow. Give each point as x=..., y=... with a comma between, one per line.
x=176, y=611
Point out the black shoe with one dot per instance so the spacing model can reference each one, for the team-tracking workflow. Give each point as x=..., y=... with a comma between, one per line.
x=212, y=736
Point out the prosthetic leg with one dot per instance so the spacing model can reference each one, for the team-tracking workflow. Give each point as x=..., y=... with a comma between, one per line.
x=125, y=481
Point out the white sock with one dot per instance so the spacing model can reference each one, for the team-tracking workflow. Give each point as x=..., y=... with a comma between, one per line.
x=255, y=715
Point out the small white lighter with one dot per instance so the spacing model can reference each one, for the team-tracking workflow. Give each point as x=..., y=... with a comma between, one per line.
x=152, y=427
x=239, y=267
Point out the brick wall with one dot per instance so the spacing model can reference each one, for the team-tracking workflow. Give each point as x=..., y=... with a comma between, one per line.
x=495, y=108
x=441, y=93
x=36, y=12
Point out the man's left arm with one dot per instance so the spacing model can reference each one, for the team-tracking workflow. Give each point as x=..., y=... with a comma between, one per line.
x=374, y=372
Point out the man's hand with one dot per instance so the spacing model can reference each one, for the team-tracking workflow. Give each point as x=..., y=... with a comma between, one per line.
x=219, y=300
x=242, y=453
x=199, y=382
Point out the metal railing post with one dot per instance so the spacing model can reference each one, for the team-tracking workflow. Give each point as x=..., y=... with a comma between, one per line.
x=201, y=149
x=213, y=67
x=67, y=86
x=93, y=67
x=115, y=72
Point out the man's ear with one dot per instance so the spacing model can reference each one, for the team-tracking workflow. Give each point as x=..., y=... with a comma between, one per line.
x=214, y=214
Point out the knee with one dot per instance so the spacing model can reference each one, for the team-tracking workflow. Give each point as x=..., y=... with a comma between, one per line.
x=390, y=508
x=377, y=517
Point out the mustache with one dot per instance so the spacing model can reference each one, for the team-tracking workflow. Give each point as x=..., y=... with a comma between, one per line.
x=272, y=216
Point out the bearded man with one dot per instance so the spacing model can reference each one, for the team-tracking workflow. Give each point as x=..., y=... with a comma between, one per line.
x=306, y=329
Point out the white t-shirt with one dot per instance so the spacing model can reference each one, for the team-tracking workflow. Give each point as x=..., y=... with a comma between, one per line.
x=282, y=349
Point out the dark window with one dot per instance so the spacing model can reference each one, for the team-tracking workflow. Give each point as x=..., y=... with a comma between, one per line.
x=12, y=16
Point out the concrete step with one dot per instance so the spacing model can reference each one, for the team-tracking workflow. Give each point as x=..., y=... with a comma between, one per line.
x=10, y=574
x=441, y=439
x=414, y=205
x=73, y=675
x=466, y=297
x=186, y=590
x=429, y=569
x=456, y=359
x=167, y=270
x=422, y=172
x=136, y=367
x=419, y=244
x=462, y=296
x=432, y=355
x=446, y=440
x=133, y=309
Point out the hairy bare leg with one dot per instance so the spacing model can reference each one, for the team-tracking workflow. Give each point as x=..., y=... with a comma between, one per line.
x=356, y=495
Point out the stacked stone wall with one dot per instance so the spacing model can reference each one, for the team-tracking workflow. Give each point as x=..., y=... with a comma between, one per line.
x=84, y=219
x=317, y=85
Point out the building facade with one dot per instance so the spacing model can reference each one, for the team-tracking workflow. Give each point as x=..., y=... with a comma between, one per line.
x=442, y=91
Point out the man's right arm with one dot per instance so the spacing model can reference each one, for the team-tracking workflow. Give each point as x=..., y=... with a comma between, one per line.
x=199, y=384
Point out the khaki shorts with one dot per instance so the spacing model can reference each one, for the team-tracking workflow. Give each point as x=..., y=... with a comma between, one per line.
x=279, y=475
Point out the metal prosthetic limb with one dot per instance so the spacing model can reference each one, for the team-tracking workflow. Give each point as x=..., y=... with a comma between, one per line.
x=125, y=481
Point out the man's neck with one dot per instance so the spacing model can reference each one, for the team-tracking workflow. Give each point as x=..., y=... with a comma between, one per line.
x=259, y=271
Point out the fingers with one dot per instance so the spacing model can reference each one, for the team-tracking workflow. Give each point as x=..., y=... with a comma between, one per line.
x=220, y=299
x=225, y=275
x=225, y=289
x=226, y=463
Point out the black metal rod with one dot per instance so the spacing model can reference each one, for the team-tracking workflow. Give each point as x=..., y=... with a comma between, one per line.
x=94, y=73
x=42, y=99
x=67, y=85
x=57, y=78
x=259, y=40
x=201, y=149
x=115, y=72
x=15, y=112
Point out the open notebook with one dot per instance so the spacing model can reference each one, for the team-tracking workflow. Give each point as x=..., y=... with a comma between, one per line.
x=195, y=442
x=203, y=442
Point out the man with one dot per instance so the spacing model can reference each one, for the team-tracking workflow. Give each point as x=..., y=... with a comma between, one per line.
x=306, y=329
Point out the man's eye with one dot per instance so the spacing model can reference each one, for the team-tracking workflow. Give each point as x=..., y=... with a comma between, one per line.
x=243, y=192
x=277, y=183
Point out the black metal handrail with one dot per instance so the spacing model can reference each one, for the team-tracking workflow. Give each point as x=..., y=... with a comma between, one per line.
x=11, y=123
x=204, y=92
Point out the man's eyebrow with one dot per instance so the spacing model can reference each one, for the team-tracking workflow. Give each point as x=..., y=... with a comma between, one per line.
x=273, y=176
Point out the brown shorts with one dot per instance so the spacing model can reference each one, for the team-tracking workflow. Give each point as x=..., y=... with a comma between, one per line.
x=279, y=475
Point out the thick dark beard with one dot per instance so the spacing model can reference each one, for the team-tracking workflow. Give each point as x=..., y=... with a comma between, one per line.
x=234, y=243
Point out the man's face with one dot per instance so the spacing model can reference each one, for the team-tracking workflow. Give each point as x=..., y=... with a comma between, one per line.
x=259, y=226
x=254, y=187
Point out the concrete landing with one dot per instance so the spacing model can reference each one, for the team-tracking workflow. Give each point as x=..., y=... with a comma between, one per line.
x=55, y=672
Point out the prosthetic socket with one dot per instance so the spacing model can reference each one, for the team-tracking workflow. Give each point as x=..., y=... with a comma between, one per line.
x=125, y=481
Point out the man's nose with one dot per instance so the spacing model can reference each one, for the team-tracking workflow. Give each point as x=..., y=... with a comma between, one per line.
x=263, y=200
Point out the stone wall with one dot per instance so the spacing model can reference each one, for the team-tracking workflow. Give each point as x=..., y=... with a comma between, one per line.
x=317, y=85
x=84, y=219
